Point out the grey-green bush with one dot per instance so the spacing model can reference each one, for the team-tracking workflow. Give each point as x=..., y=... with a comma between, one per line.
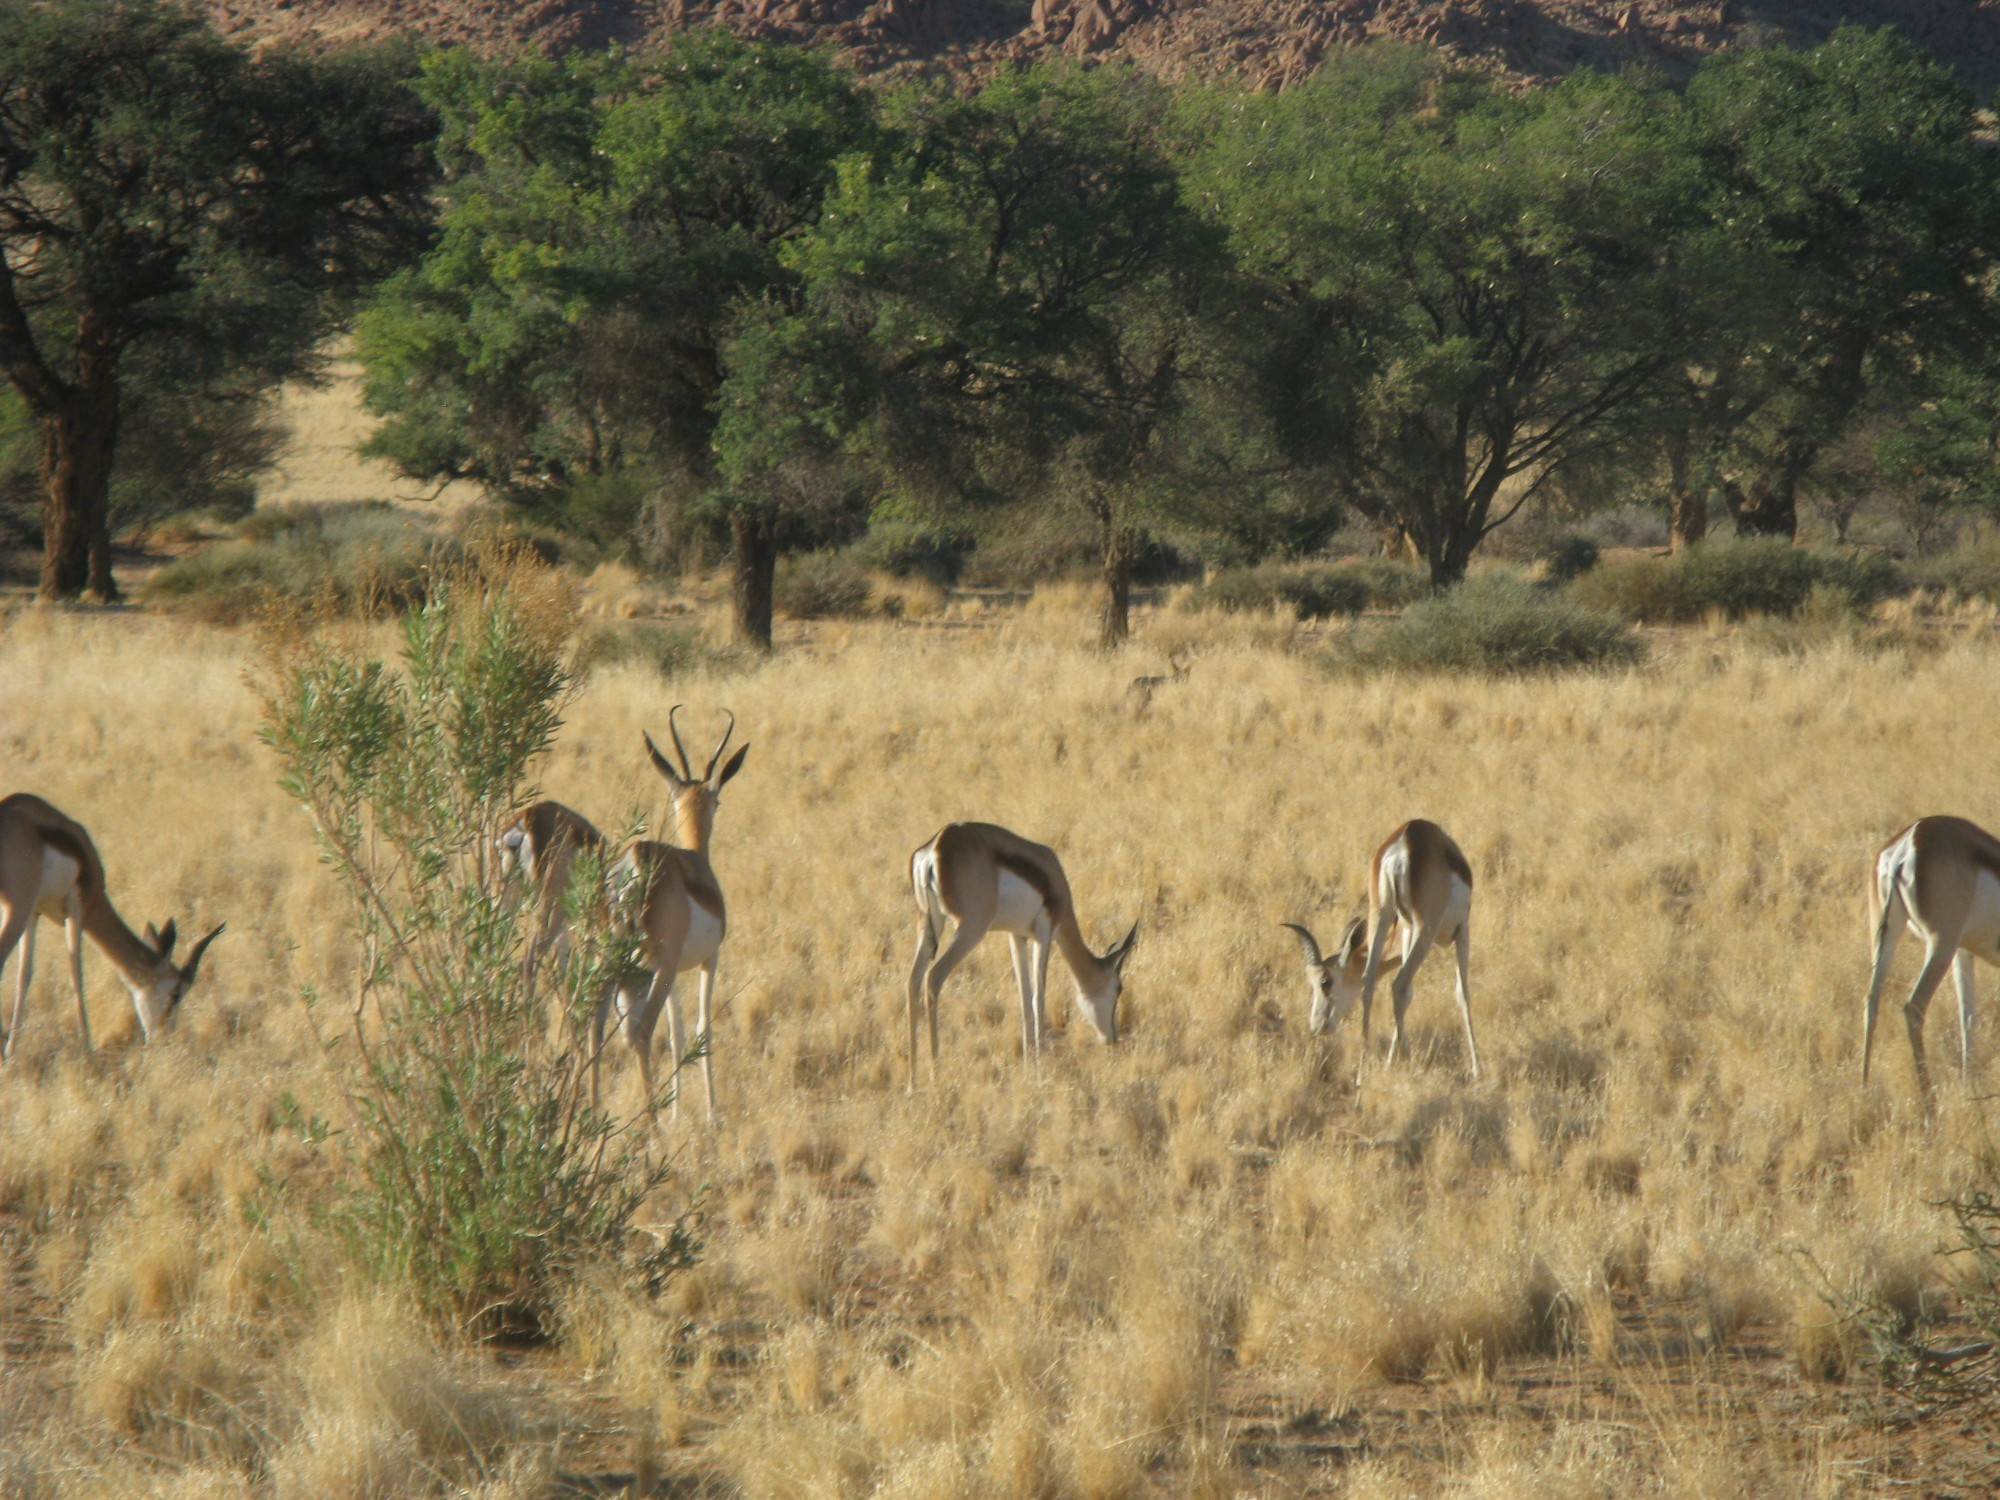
x=1494, y=623
x=820, y=586
x=360, y=559
x=1737, y=578
x=1313, y=593
x=474, y=1175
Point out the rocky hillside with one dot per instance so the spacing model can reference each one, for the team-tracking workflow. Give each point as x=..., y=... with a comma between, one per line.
x=1270, y=41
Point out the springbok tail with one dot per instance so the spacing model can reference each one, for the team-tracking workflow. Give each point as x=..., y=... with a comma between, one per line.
x=1889, y=893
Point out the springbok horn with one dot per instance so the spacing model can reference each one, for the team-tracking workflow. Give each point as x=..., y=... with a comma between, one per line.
x=660, y=763
x=194, y=958
x=687, y=766
x=720, y=746
x=1309, y=943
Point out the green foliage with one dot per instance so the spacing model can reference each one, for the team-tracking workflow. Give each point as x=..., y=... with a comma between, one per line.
x=1011, y=304
x=185, y=215
x=1313, y=593
x=904, y=550
x=1449, y=269
x=476, y=1177
x=1566, y=556
x=1845, y=236
x=609, y=225
x=1973, y=572
x=1494, y=623
x=350, y=559
x=1748, y=576
x=823, y=585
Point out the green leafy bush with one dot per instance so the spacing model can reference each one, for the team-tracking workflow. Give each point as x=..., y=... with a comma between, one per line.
x=476, y=1177
x=1754, y=576
x=1494, y=623
x=821, y=585
x=356, y=559
x=1313, y=593
x=1567, y=555
x=1391, y=584
x=1972, y=571
x=903, y=550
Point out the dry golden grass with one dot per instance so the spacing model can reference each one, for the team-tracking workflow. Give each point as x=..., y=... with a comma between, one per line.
x=1197, y=1263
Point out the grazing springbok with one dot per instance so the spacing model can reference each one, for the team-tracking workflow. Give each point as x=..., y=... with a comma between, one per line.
x=1940, y=877
x=1421, y=886
x=984, y=879
x=541, y=843
x=50, y=868
x=676, y=909
x=1141, y=689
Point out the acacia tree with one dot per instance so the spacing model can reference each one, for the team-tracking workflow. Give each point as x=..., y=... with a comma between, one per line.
x=607, y=224
x=165, y=191
x=1450, y=272
x=1850, y=184
x=1013, y=306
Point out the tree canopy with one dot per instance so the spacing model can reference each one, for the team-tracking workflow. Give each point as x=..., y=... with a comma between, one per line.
x=165, y=192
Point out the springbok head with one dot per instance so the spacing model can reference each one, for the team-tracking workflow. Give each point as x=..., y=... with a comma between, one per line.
x=157, y=996
x=696, y=797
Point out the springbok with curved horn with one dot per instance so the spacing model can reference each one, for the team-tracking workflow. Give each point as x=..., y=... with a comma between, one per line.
x=1941, y=878
x=50, y=868
x=542, y=842
x=984, y=878
x=677, y=909
x=1420, y=886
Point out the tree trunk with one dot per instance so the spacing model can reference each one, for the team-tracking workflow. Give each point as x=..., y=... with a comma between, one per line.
x=756, y=577
x=1769, y=507
x=1687, y=505
x=79, y=439
x=1114, y=625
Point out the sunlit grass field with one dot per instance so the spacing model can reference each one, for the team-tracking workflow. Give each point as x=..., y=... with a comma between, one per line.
x=1199, y=1262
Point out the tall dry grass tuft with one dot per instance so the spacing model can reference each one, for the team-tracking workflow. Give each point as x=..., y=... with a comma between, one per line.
x=382, y=1413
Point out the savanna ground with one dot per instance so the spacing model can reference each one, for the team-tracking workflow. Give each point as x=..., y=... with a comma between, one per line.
x=1200, y=1262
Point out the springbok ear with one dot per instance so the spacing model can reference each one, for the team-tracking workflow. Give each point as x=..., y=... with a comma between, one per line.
x=194, y=955
x=165, y=944
x=1124, y=950
x=152, y=936
x=735, y=765
x=661, y=764
x=1351, y=941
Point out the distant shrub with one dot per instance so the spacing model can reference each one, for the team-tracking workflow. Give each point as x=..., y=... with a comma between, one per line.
x=1391, y=584
x=903, y=550
x=1751, y=576
x=358, y=559
x=1496, y=623
x=670, y=650
x=821, y=585
x=1566, y=556
x=1973, y=572
x=1312, y=593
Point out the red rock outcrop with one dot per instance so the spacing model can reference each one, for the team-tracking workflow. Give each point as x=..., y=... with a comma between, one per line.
x=1273, y=42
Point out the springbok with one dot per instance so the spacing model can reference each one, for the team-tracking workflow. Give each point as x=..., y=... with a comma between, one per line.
x=984, y=878
x=541, y=843
x=50, y=868
x=1420, y=885
x=678, y=916
x=1940, y=877
x=1141, y=689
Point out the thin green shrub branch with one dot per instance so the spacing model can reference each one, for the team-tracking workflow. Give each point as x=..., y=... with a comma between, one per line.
x=479, y=1177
